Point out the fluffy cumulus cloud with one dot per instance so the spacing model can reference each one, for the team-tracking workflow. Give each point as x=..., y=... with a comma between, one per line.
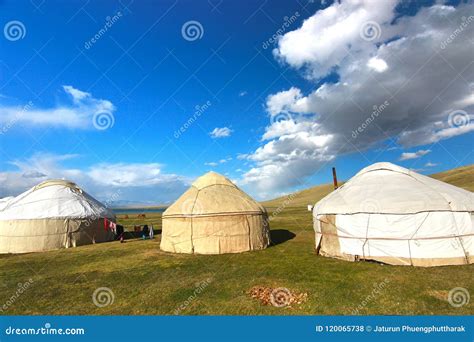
x=414, y=155
x=325, y=40
x=82, y=111
x=139, y=183
x=221, y=132
x=380, y=76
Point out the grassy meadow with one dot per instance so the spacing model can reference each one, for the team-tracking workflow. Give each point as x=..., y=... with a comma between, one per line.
x=145, y=280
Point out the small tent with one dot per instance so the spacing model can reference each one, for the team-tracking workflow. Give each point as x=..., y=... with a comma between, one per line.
x=214, y=217
x=394, y=215
x=54, y=214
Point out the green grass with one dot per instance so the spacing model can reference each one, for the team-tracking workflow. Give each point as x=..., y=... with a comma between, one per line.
x=145, y=280
x=131, y=220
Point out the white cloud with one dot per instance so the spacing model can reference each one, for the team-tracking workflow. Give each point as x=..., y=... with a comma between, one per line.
x=79, y=114
x=323, y=41
x=433, y=133
x=135, y=183
x=414, y=155
x=430, y=164
x=404, y=66
x=77, y=95
x=225, y=160
x=377, y=64
x=221, y=161
x=285, y=101
x=124, y=175
x=222, y=132
x=243, y=93
x=283, y=127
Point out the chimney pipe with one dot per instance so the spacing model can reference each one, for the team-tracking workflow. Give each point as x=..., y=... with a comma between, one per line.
x=334, y=177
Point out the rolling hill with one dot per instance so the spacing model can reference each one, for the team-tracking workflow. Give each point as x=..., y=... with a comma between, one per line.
x=462, y=177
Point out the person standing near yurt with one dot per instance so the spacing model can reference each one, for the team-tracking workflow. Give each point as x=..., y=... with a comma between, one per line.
x=390, y=214
x=53, y=214
x=214, y=217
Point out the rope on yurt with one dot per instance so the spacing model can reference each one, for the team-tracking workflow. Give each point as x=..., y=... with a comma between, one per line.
x=387, y=238
x=409, y=252
x=411, y=237
x=214, y=214
x=455, y=222
x=192, y=231
x=458, y=236
x=366, y=235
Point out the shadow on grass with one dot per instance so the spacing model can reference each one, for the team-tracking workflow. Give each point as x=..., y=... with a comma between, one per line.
x=278, y=236
x=137, y=235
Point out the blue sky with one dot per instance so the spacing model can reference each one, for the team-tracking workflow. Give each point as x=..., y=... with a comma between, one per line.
x=267, y=93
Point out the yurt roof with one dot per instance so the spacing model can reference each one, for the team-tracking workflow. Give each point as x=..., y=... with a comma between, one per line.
x=392, y=189
x=4, y=201
x=213, y=194
x=54, y=199
x=212, y=178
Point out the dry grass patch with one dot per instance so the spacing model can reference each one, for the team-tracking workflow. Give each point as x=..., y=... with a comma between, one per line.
x=279, y=297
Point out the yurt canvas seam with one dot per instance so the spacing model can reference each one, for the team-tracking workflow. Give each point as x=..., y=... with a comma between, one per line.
x=395, y=213
x=210, y=185
x=385, y=238
x=244, y=213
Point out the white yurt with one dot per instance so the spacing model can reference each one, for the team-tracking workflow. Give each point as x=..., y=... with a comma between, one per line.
x=214, y=217
x=54, y=214
x=4, y=201
x=390, y=214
